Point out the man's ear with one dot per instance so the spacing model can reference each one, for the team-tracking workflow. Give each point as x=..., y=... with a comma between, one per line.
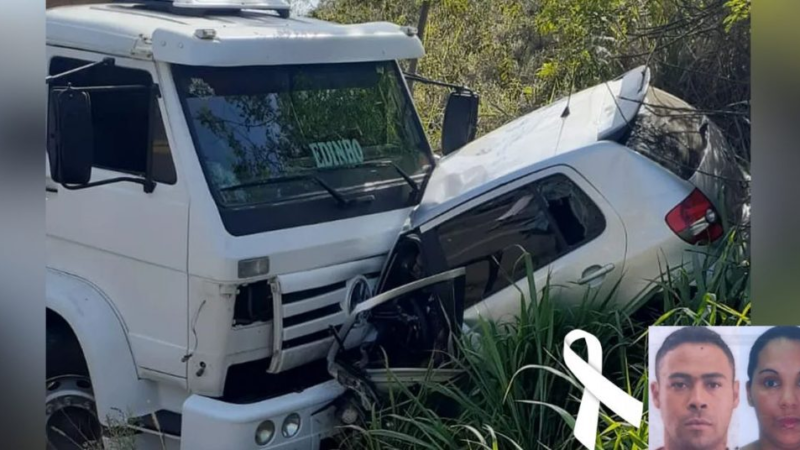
x=736, y=393
x=654, y=394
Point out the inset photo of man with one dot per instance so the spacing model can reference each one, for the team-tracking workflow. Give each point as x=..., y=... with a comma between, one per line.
x=694, y=389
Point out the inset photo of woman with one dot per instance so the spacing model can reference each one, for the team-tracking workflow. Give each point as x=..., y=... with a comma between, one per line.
x=773, y=388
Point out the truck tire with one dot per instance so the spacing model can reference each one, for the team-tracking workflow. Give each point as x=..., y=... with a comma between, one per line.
x=70, y=410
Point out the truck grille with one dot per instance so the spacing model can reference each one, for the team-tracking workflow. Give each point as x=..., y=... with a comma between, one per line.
x=304, y=315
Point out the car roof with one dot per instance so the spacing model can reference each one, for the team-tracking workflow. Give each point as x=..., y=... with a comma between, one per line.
x=249, y=37
x=547, y=136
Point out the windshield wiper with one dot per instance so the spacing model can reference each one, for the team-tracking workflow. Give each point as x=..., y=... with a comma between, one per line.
x=414, y=185
x=340, y=199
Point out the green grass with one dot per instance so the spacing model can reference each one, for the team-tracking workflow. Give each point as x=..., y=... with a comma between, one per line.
x=515, y=391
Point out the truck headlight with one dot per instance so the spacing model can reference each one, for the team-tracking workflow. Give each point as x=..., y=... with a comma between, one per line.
x=265, y=432
x=253, y=267
x=291, y=425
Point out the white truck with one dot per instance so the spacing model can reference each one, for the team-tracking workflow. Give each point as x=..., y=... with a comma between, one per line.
x=217, y=175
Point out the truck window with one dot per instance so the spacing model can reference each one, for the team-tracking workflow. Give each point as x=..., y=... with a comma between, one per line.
x=258, y=125
x=121, y=120
x=547, y=218
x=274, y=141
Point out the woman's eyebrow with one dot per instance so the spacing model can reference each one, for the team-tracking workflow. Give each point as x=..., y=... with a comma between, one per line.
x=768, y=370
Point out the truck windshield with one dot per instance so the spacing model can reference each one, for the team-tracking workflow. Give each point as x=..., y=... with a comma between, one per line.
x=264, y=133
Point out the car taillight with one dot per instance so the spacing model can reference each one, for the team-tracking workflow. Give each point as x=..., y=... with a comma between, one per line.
x=695, y=220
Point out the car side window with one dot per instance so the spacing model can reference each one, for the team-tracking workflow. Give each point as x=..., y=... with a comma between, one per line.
x=576, y=216
x=121, y=119
x=547, y=218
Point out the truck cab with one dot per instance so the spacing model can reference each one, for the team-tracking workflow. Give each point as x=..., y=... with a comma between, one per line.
x=217, y=175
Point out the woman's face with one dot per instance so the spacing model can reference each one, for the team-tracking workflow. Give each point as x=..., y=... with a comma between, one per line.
x=775, y=393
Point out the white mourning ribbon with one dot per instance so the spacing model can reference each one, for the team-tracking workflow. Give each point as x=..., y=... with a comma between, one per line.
x=597, y=389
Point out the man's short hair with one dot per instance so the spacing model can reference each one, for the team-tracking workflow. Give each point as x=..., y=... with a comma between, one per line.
x=693, y=335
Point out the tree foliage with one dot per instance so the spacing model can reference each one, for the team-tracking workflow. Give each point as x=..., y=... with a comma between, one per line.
x=522, y=54
x=739, y=11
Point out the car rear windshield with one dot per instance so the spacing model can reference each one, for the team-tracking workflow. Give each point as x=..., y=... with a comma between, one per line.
x=264, y=133
x=670, y=132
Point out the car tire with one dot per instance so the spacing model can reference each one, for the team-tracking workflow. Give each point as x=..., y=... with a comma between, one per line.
x=70, y=407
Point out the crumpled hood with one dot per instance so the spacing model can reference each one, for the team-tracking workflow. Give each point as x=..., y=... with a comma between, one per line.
x=597, y=113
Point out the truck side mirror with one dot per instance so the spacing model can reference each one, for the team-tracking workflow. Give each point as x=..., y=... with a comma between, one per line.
x=460, y=120
x=71, y=136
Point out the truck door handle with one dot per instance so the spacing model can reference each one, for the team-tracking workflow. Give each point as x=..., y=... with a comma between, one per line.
x=595, y=272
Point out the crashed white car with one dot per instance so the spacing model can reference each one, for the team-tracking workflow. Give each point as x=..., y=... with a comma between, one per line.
x=604, y=189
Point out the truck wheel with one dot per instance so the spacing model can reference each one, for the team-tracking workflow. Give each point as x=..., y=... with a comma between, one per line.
x=70, y=411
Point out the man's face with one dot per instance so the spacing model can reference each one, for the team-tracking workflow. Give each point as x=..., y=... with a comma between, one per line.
x=696, y=393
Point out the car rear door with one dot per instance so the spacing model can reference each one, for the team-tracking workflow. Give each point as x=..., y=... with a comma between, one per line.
x=571, y=232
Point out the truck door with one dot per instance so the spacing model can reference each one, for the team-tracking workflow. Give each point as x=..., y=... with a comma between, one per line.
x=131, y=244
x=574, y=238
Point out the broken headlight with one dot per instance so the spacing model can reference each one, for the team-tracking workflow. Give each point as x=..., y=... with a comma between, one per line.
x=253, y=303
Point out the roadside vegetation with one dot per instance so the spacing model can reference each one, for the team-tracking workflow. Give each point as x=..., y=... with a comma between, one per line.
x=516, y=393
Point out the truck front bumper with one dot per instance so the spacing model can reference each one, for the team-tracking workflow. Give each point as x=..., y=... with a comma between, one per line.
x=209, y=424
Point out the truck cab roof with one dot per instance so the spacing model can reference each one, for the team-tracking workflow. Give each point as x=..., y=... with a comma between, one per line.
x=230, y=38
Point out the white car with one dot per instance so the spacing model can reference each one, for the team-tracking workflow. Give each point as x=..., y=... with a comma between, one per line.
x=602, y=189
x=559, y=183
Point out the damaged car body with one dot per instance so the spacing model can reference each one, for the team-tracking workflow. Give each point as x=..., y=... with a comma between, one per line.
x=408, y=329
x=602, y=189
x=609, y=180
